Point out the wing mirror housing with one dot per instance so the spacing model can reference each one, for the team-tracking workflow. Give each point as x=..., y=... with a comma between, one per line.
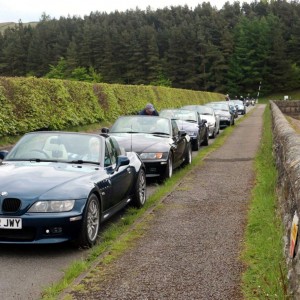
x=122, y=160
x=181, y=133
x=3, y=154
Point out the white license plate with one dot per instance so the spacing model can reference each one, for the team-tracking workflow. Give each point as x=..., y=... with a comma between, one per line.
x=10, y=223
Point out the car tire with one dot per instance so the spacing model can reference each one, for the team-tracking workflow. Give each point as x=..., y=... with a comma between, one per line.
x=139, y=197
x=188, y=156
x=196, y=146
x=169, y=169
x=205, y=142
x=90, y=224
x=214, y=134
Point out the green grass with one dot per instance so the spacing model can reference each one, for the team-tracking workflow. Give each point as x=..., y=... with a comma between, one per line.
x=121, y=235
x=265, y=276
x=294, y=95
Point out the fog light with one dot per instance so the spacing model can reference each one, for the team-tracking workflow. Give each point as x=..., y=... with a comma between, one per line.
x=56, y=230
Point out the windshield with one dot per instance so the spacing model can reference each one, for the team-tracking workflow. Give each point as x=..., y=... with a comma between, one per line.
x=238, y=102
x=142, y=124
x=201, y=109
x=57, y=146
x=219, y=106
x=180, y=114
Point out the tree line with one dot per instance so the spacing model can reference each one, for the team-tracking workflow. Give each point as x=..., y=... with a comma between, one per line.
x=231, y=50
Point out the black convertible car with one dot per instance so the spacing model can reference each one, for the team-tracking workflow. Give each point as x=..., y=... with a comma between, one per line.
x=158, y=141
x=191, y=122
x=60, y=186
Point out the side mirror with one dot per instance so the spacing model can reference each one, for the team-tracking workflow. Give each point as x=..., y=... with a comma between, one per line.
x=104, y=130
x=181, y=133
x=122, y=161
x=3, y=153
x=204, y=121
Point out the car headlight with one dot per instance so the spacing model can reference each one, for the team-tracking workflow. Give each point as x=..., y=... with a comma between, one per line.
x=152, y=155
x=52, y=206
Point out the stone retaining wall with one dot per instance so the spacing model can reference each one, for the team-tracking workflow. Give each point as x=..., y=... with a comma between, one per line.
x=291, y=108
x=286, y=148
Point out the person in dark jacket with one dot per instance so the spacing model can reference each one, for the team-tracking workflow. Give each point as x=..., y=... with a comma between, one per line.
x=149, y=110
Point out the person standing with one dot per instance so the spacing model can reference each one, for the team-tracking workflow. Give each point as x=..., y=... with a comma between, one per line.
x=149, y=110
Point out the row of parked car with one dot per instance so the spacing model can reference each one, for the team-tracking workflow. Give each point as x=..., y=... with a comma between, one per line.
x=60, y=186
x=166, y=142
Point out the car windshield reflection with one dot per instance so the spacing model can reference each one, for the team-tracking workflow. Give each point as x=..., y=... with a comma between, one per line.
x=201, y=109
x=57, y=147
x=180, y=114
x=142, y=124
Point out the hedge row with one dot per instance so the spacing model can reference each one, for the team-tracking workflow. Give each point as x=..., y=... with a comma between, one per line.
x=28, y=104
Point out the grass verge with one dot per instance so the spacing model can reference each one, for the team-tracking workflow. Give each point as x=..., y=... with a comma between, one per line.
x=121, y=235
x=265, y=276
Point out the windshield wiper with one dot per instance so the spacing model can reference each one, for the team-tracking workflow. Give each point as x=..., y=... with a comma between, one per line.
x=161, y=133
x=193, y=121
x=125, y=132
x=38, y=160
x=80, y=161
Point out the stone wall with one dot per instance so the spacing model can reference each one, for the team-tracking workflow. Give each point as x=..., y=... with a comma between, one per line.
x=291, y=108
x=287, y=152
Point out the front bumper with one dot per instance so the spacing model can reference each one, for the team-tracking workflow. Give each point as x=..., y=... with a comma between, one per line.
x=225, y=122
x=44, y=228
x=155, y=168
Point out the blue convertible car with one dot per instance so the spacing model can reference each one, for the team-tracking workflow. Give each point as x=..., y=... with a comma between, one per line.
x=60, y=186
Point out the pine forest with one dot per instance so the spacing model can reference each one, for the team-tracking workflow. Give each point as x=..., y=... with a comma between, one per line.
x=231, y=50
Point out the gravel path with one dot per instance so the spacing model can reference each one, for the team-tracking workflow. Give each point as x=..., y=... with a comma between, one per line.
x=191, y=248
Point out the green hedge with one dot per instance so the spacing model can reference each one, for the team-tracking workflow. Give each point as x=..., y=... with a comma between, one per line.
x=29, y=104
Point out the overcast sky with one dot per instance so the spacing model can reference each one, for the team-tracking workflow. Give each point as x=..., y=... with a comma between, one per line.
x=31, y=10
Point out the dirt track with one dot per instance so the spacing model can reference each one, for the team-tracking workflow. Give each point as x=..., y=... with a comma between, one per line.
x=191, y=249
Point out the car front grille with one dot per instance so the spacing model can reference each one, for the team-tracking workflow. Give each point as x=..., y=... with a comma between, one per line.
x=11, y=205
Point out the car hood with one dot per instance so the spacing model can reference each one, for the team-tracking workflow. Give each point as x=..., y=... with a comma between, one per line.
x=46, y=180
x=139, y=142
